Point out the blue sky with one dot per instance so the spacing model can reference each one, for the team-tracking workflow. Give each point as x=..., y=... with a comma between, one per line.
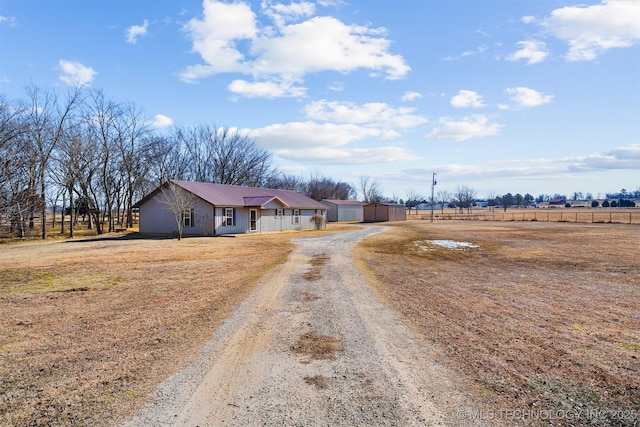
x=539, y=96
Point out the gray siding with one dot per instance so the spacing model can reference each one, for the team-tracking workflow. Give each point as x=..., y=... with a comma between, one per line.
x=350, y=213
x=343, y=212
x=269, y=221
x=157, y=219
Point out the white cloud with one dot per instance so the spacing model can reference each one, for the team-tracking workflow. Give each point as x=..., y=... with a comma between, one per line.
x=411, y=96
x=136, y=31
x=475, y=126
x=326, y=44
x=528, y=19
x=266, y=89
x=228, y=39
x=479, y=50
x=336, y=86
x=8, y=20
x=306, y=135
x=214, y=37
x=592, y=30
x=467, y=98
x=374, y=114
x=328, y=143
x=280, y=13
x=161, y=121
x=526, y=97
x=351, y=156
x=76, y=74
x=532, y=51
x=618, y=159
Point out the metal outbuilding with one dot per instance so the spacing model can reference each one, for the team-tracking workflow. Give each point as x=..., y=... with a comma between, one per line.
x=344, y=210
x=380, y=212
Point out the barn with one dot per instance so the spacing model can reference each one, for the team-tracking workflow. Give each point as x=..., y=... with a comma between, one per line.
x=344, y=210
x=217, y=209
x=379, y=212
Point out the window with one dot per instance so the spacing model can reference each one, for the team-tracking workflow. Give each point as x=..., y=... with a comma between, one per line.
x=187, y=218
x=253, y=220
x=228, y=217
x=279, y=213
x=296, y=216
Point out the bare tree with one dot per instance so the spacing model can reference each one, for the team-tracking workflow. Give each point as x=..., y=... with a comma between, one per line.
x=132, y=147
x=224, y=156
x=320, y=187
x=48, y=119
x=464, y=197
x=166, y=158
x=180, y=203
x=443, y=197
x=413, y=199
x=370, y=189
x=16, y=186
x=286, y=182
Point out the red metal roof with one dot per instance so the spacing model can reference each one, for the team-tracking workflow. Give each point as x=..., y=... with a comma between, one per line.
x=238, y=196
x=345, y=202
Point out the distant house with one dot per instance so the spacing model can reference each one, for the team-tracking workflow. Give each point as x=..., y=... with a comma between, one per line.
x=216, y=209
x=557, y=202
x=379, y=212
x=344, y=210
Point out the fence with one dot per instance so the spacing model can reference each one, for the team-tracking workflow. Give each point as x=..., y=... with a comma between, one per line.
x=577, y=215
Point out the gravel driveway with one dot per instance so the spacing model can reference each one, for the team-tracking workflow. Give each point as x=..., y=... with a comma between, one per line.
x=311, y=346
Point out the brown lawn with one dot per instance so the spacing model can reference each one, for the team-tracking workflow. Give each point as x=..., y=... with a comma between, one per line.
x=538, y=316
x=89, y=328
x=540, y=320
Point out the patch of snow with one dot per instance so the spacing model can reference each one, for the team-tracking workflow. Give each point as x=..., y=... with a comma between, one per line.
x=449, y=244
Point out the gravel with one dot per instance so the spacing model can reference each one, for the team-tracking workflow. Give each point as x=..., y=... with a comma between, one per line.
x=248, y=374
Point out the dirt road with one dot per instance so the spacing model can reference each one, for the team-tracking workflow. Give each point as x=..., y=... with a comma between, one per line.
x=311, y=346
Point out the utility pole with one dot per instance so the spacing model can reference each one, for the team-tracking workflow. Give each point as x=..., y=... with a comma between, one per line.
x=433, y=184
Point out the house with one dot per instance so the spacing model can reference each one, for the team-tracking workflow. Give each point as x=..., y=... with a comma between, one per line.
x=344, y=210
x=216, y=209
x=378, y=212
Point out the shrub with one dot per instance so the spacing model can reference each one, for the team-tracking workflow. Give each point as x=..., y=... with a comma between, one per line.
x=595, y=204
x=318, y=221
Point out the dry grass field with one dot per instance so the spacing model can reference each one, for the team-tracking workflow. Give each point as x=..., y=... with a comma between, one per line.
x=88, y=328
x=540, y=320
x=559, y=214
x=535, y=316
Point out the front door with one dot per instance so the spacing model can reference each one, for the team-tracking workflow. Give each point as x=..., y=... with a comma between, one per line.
x=253, y=220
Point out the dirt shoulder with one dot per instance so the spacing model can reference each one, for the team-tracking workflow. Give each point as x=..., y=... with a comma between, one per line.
x=310, y=346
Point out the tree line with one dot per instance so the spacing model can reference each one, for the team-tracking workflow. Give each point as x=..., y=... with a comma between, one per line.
x=464, y=198
x=96, y=157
